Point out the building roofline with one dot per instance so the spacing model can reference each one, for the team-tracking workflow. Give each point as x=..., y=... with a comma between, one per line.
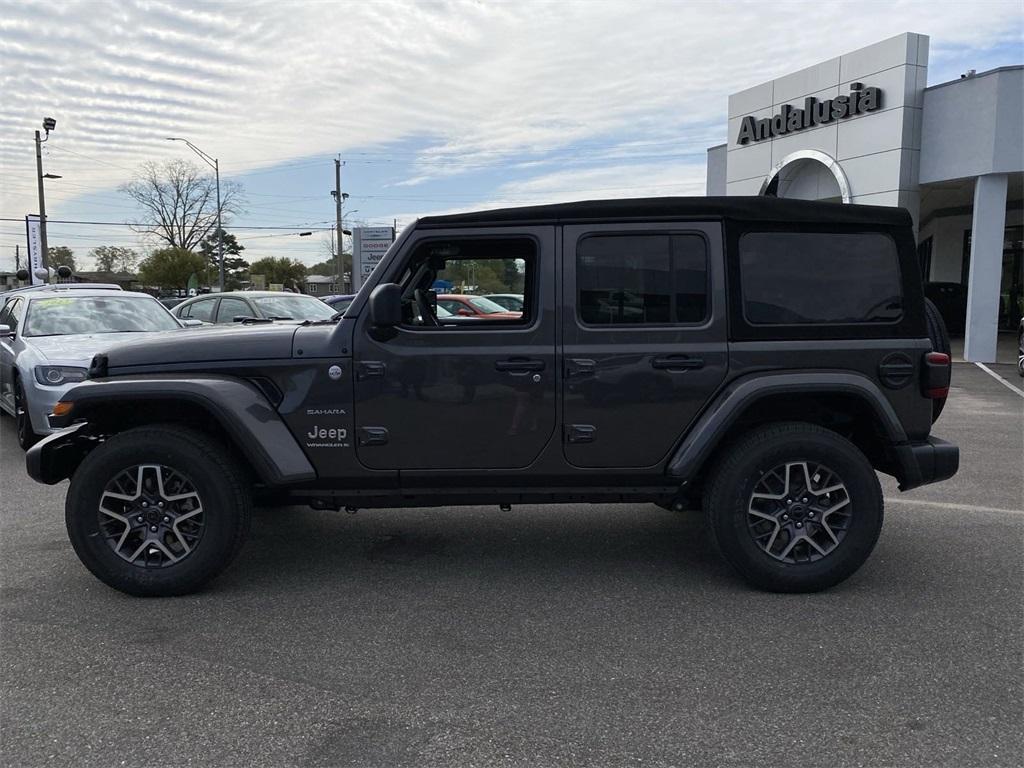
x=986, y=73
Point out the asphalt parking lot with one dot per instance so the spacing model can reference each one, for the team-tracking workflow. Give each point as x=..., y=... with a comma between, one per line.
x=572, y=635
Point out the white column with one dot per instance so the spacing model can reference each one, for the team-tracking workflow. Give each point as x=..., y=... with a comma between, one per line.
x=987, y=233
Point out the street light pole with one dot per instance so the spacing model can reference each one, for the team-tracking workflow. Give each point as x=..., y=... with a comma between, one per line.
x=214, y=163
x=220, y=229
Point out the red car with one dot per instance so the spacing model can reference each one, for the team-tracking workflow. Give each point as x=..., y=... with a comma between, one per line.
x=475, y=306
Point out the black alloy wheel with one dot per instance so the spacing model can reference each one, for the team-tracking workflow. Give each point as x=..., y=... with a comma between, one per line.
x=158, y=510
x=22, y=422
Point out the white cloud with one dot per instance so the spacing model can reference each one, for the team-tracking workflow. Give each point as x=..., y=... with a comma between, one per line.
x=481, y=84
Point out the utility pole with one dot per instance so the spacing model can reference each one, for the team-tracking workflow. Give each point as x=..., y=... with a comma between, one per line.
x=42, y=198
x=17, y=259
x=337, y=204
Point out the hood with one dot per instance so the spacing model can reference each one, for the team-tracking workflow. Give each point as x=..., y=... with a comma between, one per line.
x=213, y=344
x=80, y=347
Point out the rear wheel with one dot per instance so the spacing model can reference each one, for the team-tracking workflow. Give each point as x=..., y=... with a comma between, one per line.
x=22, y=422
x=794, y=507
x=158, y=510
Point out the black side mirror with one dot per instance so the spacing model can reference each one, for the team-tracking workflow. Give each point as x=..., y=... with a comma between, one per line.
x=386, y=305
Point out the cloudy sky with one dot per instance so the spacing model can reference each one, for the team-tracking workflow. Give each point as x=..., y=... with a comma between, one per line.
x=432, y=106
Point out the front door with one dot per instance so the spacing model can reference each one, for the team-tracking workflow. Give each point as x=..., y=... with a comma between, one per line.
x=444, y=391
x=644, y=338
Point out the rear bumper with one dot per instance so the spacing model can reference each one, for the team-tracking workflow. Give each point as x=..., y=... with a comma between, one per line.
x=55, y=458
x=927, y=462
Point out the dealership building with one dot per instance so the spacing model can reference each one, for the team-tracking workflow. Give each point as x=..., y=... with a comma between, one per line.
x=865, y=127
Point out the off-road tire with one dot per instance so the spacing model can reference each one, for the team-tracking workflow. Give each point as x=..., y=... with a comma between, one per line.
x=219, y=480
x=939, y=337
x=741, y=467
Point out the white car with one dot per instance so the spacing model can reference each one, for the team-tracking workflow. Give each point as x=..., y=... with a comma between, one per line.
x=48, y=337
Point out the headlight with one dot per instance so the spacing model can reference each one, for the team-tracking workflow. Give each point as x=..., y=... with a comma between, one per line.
x=55, y=375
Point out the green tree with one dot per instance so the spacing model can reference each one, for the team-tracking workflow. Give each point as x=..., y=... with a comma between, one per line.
x=114, y=258
x=61, y=256
x=483, y=275
x=288, y=272
x=236, y=269
x=328, y=267
x=171, y=268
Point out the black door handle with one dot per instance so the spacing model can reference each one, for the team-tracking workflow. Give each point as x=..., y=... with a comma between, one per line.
x=677, y=363
x=519, y=365
x=371, y=369
x=578, y=368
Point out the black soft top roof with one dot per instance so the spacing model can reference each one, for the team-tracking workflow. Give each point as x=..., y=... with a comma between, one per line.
x=760, y=209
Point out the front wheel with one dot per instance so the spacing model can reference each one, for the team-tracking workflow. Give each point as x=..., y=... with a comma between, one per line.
x=794, y=507
x=158, y=511
x=22, y=423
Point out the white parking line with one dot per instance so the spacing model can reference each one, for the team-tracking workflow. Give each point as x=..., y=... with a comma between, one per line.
x=957, y=507
x=1000, y=379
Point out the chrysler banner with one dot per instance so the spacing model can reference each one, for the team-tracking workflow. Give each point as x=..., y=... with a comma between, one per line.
x=35, y=249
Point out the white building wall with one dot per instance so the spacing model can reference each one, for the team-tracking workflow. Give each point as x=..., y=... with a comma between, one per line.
x=879, y=152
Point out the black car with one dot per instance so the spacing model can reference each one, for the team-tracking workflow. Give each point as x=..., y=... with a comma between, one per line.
x=339, y=302
x=757, y=358
x=1020, y=347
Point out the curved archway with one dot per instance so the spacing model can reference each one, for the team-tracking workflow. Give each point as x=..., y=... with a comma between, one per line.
x=808, y=174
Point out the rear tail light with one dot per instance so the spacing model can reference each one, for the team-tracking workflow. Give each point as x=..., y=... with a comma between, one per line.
x=935, y=376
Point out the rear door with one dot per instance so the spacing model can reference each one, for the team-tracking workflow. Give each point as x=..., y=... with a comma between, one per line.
x=644, y=336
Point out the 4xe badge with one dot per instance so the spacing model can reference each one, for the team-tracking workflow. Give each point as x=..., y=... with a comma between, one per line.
x=335, y=372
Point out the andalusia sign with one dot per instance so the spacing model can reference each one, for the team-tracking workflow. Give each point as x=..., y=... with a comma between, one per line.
x=814, y=113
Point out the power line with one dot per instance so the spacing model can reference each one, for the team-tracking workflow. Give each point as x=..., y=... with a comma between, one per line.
x=128, y=224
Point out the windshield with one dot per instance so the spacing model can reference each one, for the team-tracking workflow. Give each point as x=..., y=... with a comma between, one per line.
x=293, y=307
x=486, y=306
x=67, y=315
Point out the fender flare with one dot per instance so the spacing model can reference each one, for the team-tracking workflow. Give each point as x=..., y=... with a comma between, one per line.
x=739, y=395
x=244, y=413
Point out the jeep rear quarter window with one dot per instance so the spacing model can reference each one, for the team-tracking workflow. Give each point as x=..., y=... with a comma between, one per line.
x=797, y=278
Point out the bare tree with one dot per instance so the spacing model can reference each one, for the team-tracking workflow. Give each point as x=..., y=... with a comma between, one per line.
x=179, y=202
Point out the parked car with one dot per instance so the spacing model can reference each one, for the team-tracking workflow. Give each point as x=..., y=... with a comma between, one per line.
x=781, y=354
x=475, y=306
x=340, y=302
x=513, y=302
x=170, y=301
x=48, y=338
x=226, y=308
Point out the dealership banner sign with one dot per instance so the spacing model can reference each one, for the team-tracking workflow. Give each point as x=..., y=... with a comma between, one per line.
x=35, y=249
x=369, y=244
x=790, y=119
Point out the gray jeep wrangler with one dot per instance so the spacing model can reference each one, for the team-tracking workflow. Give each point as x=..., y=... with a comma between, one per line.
x=754, y=357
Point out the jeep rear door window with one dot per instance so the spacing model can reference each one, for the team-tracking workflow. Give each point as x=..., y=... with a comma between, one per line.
x=792, y=278
x=643, y=279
